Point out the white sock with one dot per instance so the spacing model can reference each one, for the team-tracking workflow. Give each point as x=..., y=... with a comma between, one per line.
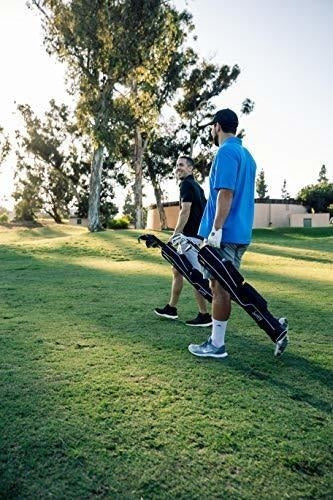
x=218, y=332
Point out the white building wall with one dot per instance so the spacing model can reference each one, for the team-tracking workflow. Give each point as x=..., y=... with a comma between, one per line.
x=275, y=214
x=77, y=221
x=317, y=220
x=265, y=215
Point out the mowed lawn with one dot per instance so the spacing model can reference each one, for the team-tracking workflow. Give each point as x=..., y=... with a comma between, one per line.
x=99, y=398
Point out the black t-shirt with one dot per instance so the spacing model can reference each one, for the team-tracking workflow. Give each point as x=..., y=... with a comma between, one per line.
x=191, y=191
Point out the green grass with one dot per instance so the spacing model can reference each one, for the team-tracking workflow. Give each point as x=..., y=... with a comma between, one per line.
x=101, y=399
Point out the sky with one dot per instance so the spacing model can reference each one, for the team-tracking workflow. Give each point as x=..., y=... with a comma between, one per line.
x=283, y=48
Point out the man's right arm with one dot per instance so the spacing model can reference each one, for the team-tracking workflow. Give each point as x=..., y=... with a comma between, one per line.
x=183, y=217
x=224, y=183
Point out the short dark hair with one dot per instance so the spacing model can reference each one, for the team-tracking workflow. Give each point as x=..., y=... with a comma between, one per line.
x=229, y=129
x=188, y=159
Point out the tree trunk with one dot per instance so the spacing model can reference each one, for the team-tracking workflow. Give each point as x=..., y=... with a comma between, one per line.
x=160, y=207
x=158, y=197
x=94, y=190
x=56, y=217
x=138, y=154
x=100, y=126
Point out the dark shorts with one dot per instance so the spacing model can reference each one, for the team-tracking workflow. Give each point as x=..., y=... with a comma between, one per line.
x=229, y=251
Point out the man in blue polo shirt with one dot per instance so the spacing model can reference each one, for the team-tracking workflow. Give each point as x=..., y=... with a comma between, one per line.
x=227, y=219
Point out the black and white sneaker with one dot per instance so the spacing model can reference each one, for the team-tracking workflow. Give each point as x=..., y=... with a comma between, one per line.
x=281, y=345
x=166, y=312
x=201, y=320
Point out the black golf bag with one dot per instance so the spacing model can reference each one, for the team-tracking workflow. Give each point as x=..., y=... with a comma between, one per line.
x=181, y=263
x=241, y=292
x=229, y=278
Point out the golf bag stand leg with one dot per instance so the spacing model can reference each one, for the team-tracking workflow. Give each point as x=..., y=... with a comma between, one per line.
x=242, y=293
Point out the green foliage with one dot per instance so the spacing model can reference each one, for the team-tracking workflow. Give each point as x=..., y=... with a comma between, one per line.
x=152, y=83
x=27, y=196
x=100, y=42
x=101, y=399
x=247, y=106
x=49, y=158
x=284, y=192
x=4, y=218
x=161, y=156
x=130, y=47
x=129, y=206
x=4, y=210
x=4, y=145
x=107, y=207
x=330, y=209
x=317, y=197
x=53, y=167
x=261, y=186
x=128, y=59
x=148, y=87
x=119, y=223
x=323, y=174
x=204, y=82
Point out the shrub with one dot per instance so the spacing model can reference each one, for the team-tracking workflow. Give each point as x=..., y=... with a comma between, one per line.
x=4, y=218
x=119, y=223
x=317, y=196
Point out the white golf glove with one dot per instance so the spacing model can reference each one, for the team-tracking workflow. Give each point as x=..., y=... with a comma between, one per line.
x=215, y=237
x=177, y=239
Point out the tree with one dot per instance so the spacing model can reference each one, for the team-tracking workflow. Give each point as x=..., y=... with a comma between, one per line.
x=27, y=197
x=261, y=186
x=247, y=106
x=4, y=145
x=101, y=41
x=159, y=161
x=246, y=109
x=149, y=87
x=172, y=139
x=129, y=206
x=107, y=208
x=129, y=209
x=54, y=157
x=204, y=82
x=42, y=160
x=317, y=197
x=323, y=174
x=284, y=193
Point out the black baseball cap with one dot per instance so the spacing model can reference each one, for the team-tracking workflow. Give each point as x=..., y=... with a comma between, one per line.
x=226, y=118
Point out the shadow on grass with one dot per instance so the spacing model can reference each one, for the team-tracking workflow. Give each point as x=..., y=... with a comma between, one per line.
x=291, y=284
x=282, y=251
x=65, y=295
x=302, y=233
x=51, y=232
x=117, y=248
x=295, y=364
x=50, y=275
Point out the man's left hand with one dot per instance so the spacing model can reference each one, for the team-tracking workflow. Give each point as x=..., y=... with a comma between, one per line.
x=177, y=239
x=215, y=238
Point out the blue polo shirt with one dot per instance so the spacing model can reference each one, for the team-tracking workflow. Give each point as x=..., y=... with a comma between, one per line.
x=233, y=168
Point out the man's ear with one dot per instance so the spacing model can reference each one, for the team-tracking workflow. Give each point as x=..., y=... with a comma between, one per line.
x=218, y=128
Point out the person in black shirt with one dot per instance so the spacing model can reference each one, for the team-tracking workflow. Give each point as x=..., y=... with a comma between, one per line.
x=192, y=204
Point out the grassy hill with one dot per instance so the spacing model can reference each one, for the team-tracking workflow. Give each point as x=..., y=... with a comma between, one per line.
x=101, y=399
